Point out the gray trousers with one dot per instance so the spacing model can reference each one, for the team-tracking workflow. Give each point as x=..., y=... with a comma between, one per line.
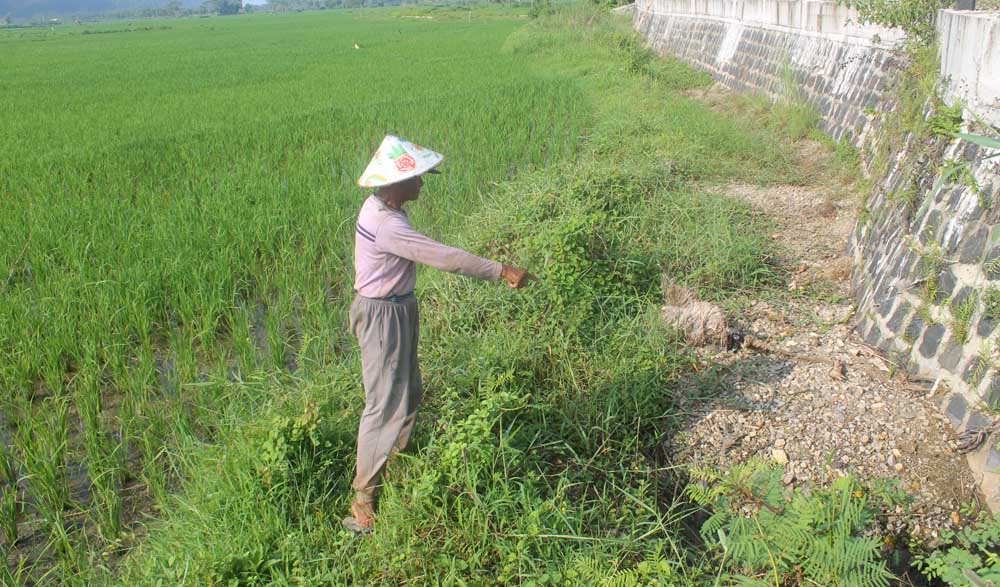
x=387, y=332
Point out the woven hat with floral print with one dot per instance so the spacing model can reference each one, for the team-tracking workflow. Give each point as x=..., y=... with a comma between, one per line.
x=397, y=160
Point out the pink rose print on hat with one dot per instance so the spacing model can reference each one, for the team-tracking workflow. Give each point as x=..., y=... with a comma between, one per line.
x=405, y=163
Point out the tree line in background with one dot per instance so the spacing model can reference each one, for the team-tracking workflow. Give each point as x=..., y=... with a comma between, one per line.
x=177, y=9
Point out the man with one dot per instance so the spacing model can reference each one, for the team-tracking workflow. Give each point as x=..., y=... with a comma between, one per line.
x=384, y=313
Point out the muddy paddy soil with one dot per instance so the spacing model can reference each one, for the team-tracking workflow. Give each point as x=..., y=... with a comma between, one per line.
x=820, y=401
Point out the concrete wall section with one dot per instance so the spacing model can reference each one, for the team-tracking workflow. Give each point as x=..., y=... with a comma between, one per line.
x=916, y=266
x=970, y=61
x=842, y=74
x=821, y=17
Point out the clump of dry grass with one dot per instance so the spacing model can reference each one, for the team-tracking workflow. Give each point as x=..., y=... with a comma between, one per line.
x=701, y=323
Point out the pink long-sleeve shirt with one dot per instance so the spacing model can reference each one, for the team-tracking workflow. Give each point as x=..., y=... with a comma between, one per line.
x=387, y=248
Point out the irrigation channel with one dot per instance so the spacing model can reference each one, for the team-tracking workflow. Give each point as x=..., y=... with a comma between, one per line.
x=181, y=391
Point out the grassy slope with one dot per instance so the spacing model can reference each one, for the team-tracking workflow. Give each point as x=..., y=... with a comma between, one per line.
x=537, y=457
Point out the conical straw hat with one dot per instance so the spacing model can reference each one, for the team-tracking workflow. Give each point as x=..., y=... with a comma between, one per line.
x=397, y=160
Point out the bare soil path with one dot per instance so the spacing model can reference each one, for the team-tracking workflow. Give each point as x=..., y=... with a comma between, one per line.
x=851, y=412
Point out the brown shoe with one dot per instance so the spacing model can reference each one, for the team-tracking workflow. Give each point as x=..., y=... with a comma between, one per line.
x=363, y=520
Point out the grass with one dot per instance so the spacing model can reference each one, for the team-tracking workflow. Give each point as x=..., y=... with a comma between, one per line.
x=180, y=255
x=918, y=117
x=794, y=120
x=961, y=317
x=798, y=119
x=991, y=303
x=931, y=263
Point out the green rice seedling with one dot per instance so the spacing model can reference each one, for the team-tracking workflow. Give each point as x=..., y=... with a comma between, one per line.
x=69, y=547
x=106, y=461
x=8, y=466
x=6, y=575
x=9, y=509
x=154, y=457
x=270, y=325
x=88, y=406
x=107, y=495
x=43, y=441
x=9, y=502
x=12, y=575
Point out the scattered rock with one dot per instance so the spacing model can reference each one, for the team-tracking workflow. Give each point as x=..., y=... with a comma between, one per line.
x=779, y=456
x=837, y=372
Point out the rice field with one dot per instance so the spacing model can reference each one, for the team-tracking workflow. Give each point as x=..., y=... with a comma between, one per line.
x=178, y=208
x=181, y=392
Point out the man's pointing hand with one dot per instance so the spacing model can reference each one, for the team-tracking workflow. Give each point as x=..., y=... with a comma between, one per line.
x=515, y=277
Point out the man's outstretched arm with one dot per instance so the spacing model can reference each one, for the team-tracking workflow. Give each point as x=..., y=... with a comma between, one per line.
x=403, y=241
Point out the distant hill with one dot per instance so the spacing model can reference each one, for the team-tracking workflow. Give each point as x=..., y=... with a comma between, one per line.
x=23, y=9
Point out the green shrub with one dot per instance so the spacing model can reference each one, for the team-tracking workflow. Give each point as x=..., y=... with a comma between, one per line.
x=969, y=556
x=301, y=458
x=914, y=17
x=946, y=121
x=991, y=303
x=770, y=535
x=541, y=8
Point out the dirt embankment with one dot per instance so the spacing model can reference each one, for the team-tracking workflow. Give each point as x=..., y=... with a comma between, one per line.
x=819, y=400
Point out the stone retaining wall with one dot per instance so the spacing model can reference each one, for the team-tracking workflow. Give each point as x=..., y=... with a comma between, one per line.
x=920, y=255
x=795, y=50
x=951, y=242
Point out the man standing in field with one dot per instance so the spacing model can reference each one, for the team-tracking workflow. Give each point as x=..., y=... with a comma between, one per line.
x=384, y=313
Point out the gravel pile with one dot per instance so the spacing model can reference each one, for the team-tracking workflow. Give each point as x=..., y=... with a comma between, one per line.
x=821, y=422
x=816, y=398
